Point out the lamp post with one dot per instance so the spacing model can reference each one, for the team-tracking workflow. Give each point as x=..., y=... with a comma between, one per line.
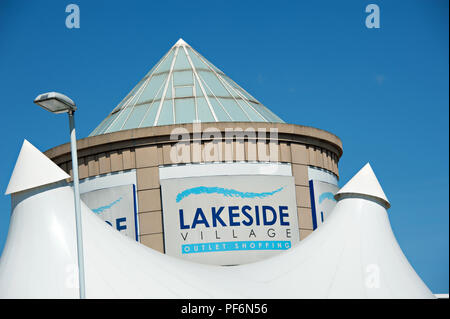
x=59, y=103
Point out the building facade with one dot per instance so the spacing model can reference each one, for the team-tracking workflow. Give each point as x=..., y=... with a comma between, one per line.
x=180, y=93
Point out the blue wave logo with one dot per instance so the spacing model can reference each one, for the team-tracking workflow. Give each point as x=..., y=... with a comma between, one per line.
x=327, y=195
x=101, y=209
x=223, y=191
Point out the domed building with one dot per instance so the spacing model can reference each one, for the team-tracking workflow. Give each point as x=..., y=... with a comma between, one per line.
x=192, y=165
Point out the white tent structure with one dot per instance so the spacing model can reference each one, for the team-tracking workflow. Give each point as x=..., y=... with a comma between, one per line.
x=353, y=255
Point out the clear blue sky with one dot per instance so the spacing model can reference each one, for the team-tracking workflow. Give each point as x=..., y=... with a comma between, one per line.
x=384, y=91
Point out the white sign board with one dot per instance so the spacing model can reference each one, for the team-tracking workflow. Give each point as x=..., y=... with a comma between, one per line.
x=229, y=220
x=322, y=200
x=116, y=206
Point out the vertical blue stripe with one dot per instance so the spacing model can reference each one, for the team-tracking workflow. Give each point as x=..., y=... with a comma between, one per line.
x=313, y=204
x=321, y=216
x=135, y=213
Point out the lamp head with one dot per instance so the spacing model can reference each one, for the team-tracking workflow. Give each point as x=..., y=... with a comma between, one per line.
x=55, y=102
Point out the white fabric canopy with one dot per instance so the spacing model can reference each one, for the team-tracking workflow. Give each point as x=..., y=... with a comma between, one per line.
x=353, y=255
x=33, y=169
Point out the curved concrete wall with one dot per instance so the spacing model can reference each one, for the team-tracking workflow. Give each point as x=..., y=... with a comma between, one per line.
x=146, y=149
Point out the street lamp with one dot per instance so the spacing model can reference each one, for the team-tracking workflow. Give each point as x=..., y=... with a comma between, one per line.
x=59, y=103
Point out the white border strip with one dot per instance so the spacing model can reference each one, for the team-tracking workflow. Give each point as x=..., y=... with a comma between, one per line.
x=108, y=180
x=315, y=173
x=221, y=169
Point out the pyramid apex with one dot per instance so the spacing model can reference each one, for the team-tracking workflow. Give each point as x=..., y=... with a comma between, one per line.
x=181, y=42
x=364, y=183
x=33, y=169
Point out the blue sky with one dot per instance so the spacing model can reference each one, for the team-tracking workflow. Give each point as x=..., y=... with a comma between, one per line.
x=383, y=91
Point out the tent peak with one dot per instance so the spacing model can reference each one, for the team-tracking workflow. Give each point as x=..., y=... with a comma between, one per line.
x=33, y=169
x=364, y=183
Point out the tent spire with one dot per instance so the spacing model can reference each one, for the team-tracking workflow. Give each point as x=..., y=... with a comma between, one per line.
x=364, y=183
x=33, y=169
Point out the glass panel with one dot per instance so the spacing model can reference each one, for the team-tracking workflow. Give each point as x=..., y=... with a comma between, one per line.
x=165, y=65
x=185, y=110
x=254, y=116
x=136, y=116
x=266, y=113
x=213, y=83
x=130, y=95
x=209, y=63
x=118, y=107
x=231, y=89
x=110, y=120
x=273, y=115
x=183, y=91
x=125, y=103
x=100, y=128
x=237, y=87
x=133, y=99
x=156, y=82
x=122, y=116
x=198, y=64
x=183, y=78
x=181, y=62
x=233, y=109
x=160, y=93
x=222, y=116
x=204, y=113
x=151, y=114
x=166, y=115
x=94, y=132
x=263, y=112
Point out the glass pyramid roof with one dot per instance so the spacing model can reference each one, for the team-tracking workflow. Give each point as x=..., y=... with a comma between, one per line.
x=184, y=87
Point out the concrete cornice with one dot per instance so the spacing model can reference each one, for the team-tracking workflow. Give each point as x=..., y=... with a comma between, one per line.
x=161, y=135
